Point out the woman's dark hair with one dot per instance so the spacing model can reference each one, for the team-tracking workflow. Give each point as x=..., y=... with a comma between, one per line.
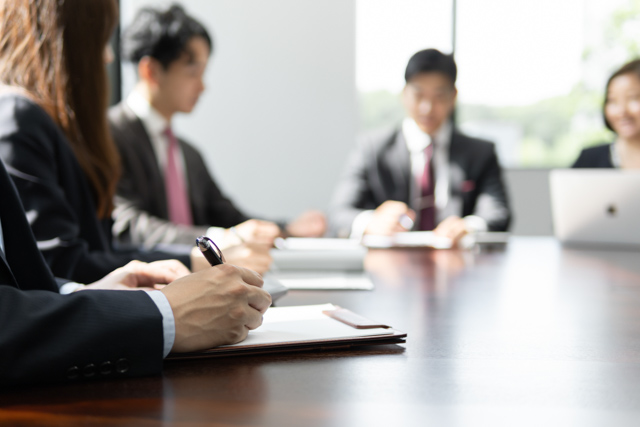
x=632, y=67
x=162, y=35
x=431, y=61
x=53, y=50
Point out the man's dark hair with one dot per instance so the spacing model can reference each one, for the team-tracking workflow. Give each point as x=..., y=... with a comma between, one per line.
x=162, y=35
x=632, y=67
x=431, y=61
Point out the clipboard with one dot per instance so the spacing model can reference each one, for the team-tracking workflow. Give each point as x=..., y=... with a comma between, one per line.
x=306, y=328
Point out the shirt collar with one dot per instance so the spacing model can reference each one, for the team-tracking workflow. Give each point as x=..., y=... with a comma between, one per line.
x=417, y=140
x=614, y=151
x=150, y=117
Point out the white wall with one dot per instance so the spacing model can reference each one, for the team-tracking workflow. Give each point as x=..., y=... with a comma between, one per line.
x=279, y=113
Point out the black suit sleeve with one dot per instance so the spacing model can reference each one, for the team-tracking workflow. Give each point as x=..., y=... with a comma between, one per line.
x=56, y=196
x=210, y=206
x=492, y=204
x=137, y=227
x=47, y=337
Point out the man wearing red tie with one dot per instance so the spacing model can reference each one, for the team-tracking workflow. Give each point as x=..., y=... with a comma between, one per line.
x=166, y=194
x=424, y=175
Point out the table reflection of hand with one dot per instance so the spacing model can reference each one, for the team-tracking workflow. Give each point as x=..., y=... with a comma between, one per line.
x=395, y=266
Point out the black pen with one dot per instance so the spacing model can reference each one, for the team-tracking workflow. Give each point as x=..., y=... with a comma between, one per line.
x=210, y=250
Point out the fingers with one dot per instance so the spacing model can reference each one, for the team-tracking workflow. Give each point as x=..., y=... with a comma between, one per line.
x=452, y=227
x=250, y=277
x=309, y=224
x=254, y=319
x=259, y=299
x=251, y=256
x=257, y=231
x=158, y=272
x=391, y=217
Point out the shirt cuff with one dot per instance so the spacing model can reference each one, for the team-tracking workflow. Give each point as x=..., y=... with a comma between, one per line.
x=360, y=223
x=70, y=287
x=168, y=321
x=474, y=224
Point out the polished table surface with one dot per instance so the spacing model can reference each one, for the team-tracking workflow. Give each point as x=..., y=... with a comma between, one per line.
x=530, y=333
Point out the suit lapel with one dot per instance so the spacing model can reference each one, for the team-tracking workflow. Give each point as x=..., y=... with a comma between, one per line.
x=140, y=139
x=399, y=165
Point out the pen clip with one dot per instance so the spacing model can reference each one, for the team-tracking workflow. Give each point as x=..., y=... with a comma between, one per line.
x=210, y=250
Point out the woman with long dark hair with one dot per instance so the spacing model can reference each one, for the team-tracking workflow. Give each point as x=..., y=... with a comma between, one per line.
x=54, y=136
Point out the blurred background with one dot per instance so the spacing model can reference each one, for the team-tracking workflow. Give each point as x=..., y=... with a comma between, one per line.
x=291, y=84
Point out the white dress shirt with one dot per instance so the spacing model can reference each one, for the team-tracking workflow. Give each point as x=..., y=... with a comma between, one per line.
x=416, y=141
x=615, y=154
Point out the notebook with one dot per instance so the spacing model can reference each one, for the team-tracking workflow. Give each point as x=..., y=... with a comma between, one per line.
x=306, y=328
x=596, y=206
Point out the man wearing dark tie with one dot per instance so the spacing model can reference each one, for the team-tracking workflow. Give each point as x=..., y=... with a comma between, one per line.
x=166, y=194
x=424, y=175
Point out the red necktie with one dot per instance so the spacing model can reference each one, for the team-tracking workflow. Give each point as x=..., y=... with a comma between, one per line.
x=427, y=192
x=177, y=198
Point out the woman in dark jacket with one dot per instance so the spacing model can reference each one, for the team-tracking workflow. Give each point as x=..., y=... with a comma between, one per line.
x=621, y=112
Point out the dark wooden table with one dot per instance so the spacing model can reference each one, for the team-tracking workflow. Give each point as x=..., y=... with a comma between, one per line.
x=528, y=334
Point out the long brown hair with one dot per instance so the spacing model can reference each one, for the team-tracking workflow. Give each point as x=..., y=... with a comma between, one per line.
x=54, y=50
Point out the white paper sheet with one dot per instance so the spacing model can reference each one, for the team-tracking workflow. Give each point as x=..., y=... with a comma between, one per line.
x=306, y=280
x=303, y=323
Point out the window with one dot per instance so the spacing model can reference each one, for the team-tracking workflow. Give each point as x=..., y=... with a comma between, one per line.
x=387, y=34
x=531, y=72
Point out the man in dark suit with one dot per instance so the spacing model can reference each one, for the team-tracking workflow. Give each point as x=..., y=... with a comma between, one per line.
x=166, y=195
x=93, y=334
x=425, y=175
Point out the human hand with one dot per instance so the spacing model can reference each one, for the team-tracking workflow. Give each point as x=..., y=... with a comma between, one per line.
x=452, y=227
x=138, y=275
x=252, y=256
x=251, y=231
x=216, y=306
x=386, y=219
x=309, y=224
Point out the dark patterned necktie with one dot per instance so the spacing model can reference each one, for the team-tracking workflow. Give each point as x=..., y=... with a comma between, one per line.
x=427, y=192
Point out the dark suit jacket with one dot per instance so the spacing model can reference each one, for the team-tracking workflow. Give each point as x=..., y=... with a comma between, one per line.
x=595, y=157
x=45, y=336
x=142, y=217
x=57, y=197
x=380, y=169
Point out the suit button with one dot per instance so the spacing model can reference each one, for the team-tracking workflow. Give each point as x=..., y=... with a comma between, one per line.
x=122, y=366
x=106, y=368
x=73, y=373
x=89, y=370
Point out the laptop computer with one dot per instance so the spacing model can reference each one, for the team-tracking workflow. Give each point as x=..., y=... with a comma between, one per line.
x=596, y=206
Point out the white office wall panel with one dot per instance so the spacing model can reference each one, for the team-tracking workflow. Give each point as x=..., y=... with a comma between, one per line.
x=279, y=113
